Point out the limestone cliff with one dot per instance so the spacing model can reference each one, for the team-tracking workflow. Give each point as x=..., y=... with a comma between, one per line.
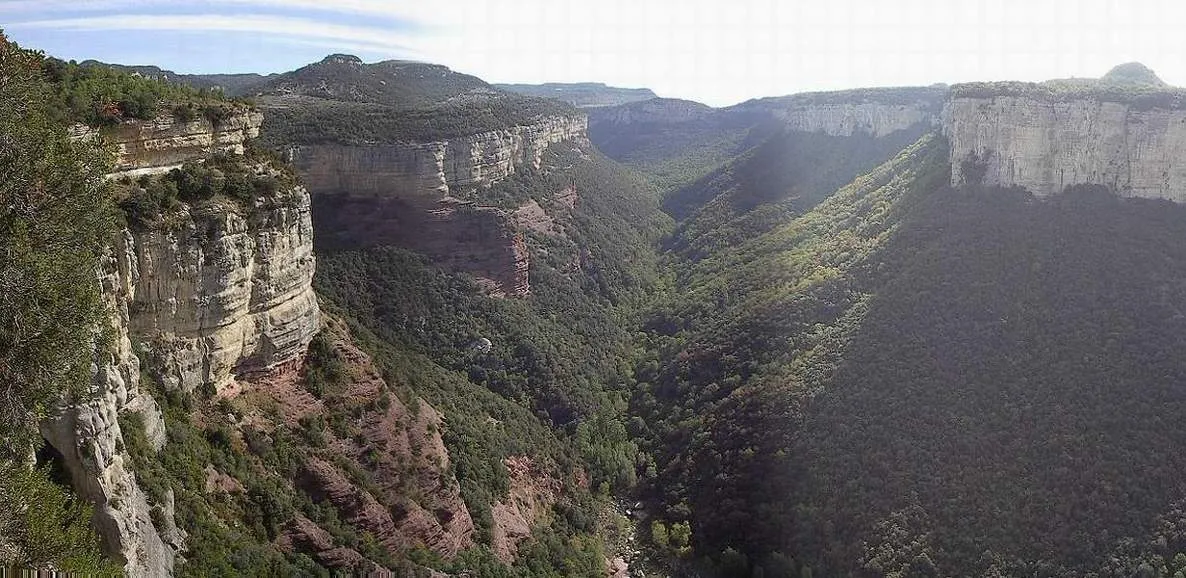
x=217, y=291
x=221, y=293
x=877, y=112
x=427, y=196
x=875, y=119
x=166, y=142
x=1047, y=144
x=89, y=439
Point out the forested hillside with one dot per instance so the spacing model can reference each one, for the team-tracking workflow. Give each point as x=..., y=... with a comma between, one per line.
x=917, y=380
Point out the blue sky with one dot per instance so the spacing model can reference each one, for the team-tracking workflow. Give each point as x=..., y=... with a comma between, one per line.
x=715, y=51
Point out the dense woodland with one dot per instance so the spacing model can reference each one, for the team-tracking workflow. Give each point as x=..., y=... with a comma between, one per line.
x=917, y=380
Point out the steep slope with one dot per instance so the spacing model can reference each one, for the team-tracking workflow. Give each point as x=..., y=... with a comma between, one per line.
x=672, y=141
x=677, y=142
x=923, y=376
x=1018, y=362
x=436, y=197
x=738, y=355
x=799, y=150
x=224, y=431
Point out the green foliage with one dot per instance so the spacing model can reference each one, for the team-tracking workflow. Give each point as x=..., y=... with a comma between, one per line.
x=732, y=359
x=343, y=101
x=399, y=83
x=552, y=386
x=561, y=352
x=317, y=121
x=1141, y=96
x=673, y=142
x=245, y=181
x=324, y=369
x=55, y=220
x=228, y=533
x=48, y=525
x=872, y=385
x=1027, y=321
x=659, y=535
x=99, y=95
x=786, y=175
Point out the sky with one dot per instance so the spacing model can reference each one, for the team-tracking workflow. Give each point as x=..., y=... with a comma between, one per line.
x=716, y=51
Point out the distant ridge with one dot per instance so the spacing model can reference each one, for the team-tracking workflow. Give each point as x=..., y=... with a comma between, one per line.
x=582, y=94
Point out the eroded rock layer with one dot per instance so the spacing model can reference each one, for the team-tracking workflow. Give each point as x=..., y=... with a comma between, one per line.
x=165, y=142
x=409, y=195
x=1045, y=145
x=222, y=293
x=89, y=439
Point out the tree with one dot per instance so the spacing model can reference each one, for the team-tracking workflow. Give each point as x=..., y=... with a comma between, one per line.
x=55, y=222
x=681, y=535
x=659, y=534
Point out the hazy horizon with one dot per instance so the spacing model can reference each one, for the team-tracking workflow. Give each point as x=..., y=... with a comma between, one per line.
x=714, y=52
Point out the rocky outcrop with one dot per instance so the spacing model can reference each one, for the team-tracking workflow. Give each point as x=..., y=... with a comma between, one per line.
x=218, y=295
x=1047, y=144
x=90, y=441
x=532, y=493
x=428, y=197
x=413, y=497
x=875, y=119
x=166, y=142
x=221, y=293
x=653, y=111
x=431, y=170
x=214, y=293
x=302, y=535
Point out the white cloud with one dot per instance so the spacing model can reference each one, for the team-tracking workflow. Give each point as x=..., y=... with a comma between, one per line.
x=374, y=39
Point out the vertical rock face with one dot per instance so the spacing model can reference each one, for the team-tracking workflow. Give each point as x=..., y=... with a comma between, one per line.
x=877, y=112
x=1045, y=145
x=89, y=439
x=217, y=293
x=162, y=143
x=431, y=170
x=875, y=119
x=217, y=296
x=407, y=195
x=221, y=294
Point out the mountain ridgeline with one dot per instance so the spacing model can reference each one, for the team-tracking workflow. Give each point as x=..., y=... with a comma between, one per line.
x=390, y=319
